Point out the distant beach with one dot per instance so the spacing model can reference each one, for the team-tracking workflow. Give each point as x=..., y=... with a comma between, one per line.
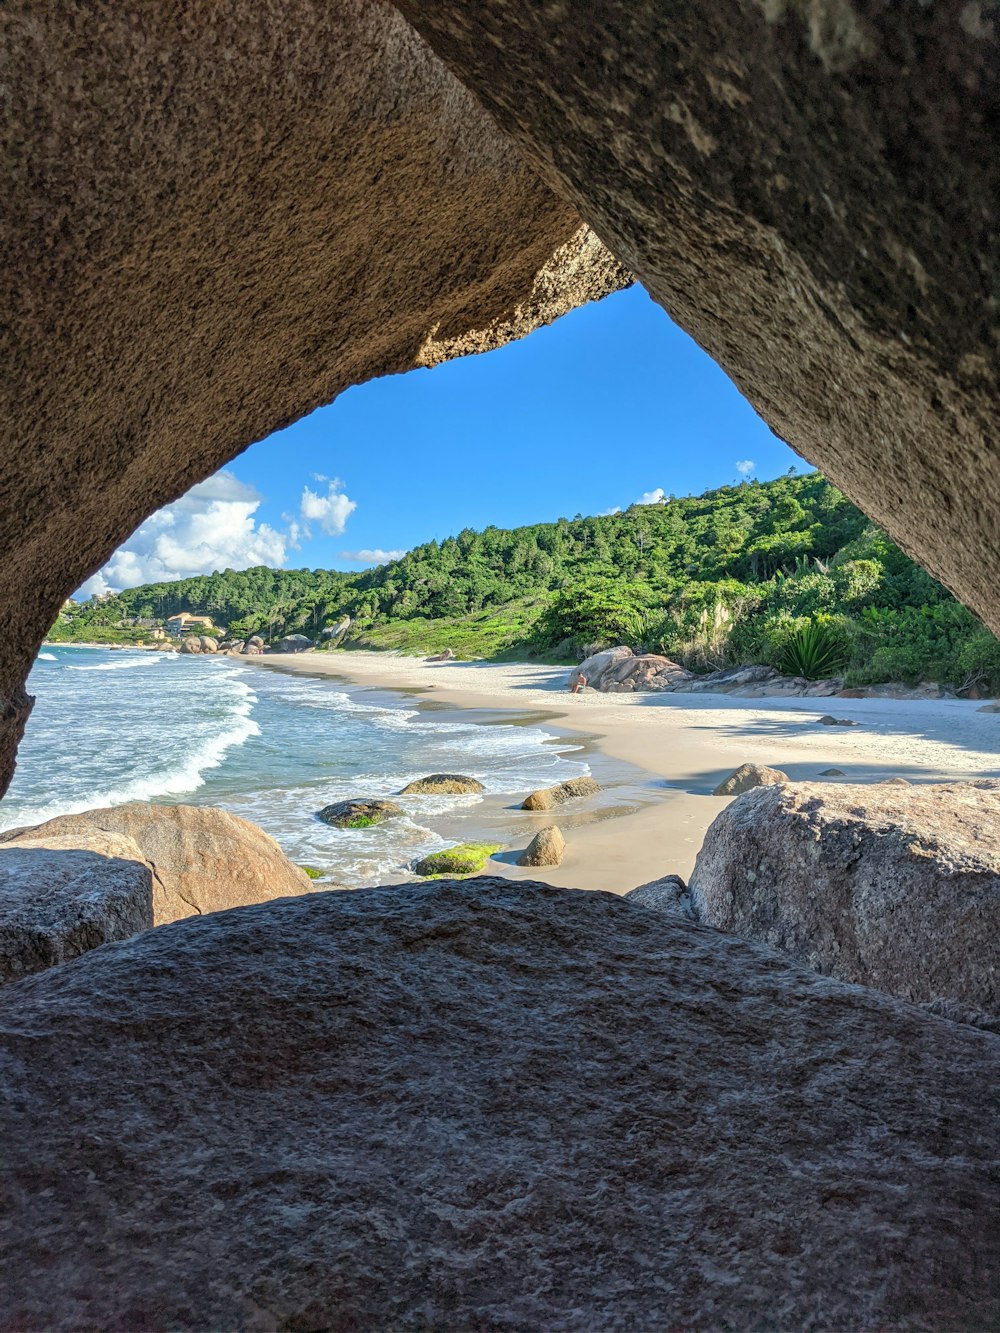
x=679, y=747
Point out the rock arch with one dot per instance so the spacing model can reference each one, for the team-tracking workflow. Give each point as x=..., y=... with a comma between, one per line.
x=216, y=219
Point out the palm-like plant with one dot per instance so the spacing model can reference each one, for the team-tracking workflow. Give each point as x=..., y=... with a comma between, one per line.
x=814, y=651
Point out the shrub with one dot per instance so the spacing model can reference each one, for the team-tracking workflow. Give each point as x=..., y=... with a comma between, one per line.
x=814, y=650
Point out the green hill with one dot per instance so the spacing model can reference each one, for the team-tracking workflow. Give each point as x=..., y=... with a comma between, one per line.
x=748, y=573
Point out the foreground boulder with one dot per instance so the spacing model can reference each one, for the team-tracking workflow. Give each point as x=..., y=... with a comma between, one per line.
x=360, y=813
x=486, y=1105
x=62, y=897
x=893, y=887
x=546, y=848
x=203, y=859
x=443, y=784
x=574, y=789
x=294, y=643
x=669, y=894
x=748, y=776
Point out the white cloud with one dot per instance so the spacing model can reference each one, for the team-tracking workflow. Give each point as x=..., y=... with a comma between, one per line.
x=606, y=513
x=373, y=557
x=212, y=527
x=746, y=467
x=330, y=511
x=657, y=497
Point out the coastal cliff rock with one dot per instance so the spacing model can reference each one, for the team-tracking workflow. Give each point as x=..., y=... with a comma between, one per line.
x=202, y=859
x=574, y=789
x=308, y=200
x=63, y=896
x=813, y=192
x=486, y=1104
x=896, y=887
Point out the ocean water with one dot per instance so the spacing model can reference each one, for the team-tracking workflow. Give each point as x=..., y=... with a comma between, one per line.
x=126, y=725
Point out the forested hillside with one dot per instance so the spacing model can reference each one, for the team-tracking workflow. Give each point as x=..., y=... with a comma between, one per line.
x=741, y=574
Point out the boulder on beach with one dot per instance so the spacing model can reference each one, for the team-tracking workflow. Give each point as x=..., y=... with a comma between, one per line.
x=747, y=776
x=828, y=720
x=191, y=644
x=294, y=643
x=486, y=1104
x=362, y=812
x=447, y=656
x=202, y=859
x=832, y=773
x=646, y=671
x=886, y=886
x=669, y=895
x=60, y=897
x=334, y=633
x=591, y=670
x=546, y=848
x=443, y=784
x=466, y=858
x=253, y=646
x=547, y=798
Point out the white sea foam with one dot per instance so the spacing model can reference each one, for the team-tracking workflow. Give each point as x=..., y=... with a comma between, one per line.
x=152, y=659
x=47, y=657
x=173, y=776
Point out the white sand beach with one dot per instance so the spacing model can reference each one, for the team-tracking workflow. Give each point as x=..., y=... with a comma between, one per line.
x=685, y=745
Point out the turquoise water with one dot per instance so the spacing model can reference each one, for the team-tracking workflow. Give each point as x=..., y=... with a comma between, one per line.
x=125, y=725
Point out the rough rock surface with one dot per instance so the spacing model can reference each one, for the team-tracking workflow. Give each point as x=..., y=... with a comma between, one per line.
x=669, y=894
x=897, y=888
x=64, y=896
x=647, y=671
x=215, y=220
x=813, y=191
x=294, y=643
x=574, y=789
x=620, y=671
x=485, y=1105
x=203, y=859
x=546, y=848
x=748, y=776
x=592, y=669
x=828, y=720
x=346, y=814
x=443, y=784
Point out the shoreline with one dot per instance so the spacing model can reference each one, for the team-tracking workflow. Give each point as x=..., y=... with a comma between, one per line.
x=680, y=748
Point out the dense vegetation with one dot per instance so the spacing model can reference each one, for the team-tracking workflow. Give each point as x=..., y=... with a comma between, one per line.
x=786, y=572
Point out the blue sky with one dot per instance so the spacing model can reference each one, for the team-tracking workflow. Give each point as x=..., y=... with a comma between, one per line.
x=606, y=406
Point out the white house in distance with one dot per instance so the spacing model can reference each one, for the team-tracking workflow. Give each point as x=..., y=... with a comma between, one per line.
x=186, y=624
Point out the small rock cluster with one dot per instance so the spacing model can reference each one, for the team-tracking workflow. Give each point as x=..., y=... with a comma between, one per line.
x=546, y=848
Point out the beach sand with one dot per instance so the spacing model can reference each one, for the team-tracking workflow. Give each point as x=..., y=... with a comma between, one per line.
x=672, y=750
